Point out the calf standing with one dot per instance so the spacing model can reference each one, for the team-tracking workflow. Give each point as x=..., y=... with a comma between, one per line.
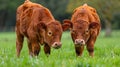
x=84, y=27
x=37, y=24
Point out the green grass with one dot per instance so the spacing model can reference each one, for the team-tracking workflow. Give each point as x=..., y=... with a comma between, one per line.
x=107, y=53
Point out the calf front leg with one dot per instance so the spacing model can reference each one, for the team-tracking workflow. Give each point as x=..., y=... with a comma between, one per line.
x=90, y=45
x=47, y=49
x=30, y=47
x=35, y=48
x=90, y=48
x=79, y=50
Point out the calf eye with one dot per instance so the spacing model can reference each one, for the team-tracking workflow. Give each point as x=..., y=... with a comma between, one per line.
x=87, y=31
x=50, y=33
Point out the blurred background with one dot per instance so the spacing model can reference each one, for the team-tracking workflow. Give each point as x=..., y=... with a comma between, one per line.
x=108, y=10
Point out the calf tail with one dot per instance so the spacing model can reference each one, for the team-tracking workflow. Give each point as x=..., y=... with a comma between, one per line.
x=27, y=1
x=83, y=9
x=85, y=4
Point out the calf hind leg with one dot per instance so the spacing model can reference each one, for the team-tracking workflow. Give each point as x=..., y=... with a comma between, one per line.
x=30, y=48
x=19, y=43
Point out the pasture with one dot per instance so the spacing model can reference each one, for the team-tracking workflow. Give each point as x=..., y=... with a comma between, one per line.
x=107, y=53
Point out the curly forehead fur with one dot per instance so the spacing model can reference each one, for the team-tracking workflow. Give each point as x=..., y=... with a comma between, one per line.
x=54, y=24
x=80, y=24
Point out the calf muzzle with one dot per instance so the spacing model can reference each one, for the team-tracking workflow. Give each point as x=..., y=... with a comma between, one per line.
x=80, y=42
x=56, y=45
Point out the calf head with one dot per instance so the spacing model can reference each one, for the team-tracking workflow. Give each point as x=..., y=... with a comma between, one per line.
x=80, y=30
x=52, y=33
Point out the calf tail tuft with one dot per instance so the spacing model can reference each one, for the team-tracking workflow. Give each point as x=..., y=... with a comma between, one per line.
x=27, y=1
x=85, y=4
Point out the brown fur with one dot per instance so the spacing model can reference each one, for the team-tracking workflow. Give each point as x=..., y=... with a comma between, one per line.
x=85, y=27
x=39, y=26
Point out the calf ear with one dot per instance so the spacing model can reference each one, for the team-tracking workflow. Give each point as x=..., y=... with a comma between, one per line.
x=94, y=25
x=66, y=24
x=41, y=25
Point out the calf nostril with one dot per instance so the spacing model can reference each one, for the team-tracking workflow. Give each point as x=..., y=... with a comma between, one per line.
x=82, y=41
x=76, y=41
x=55, y=44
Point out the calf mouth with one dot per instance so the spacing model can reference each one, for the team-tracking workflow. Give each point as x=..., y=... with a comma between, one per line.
x=78, y=45
x=56, y=47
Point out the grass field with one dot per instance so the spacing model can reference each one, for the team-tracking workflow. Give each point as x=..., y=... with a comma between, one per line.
x=107, y=53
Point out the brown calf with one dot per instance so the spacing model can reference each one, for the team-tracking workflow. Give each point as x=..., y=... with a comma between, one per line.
x=37, y=24
x=84, y=27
